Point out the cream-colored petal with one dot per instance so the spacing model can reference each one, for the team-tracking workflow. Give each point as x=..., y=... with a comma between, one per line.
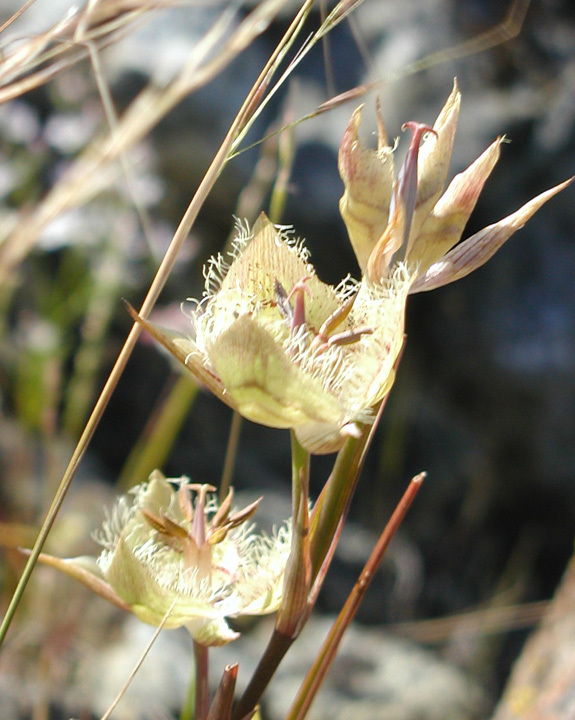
x=368, y=177
x=263, y=383
x=383, y=309
x=153, y=595
x=443, y=226
x=320, y=438
x=474, y=252
x=266, y=257
x=433, y=161
x=249, y=285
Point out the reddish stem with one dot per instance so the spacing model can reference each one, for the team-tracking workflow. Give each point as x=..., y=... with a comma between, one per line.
x=328, y=651
x=202, y=686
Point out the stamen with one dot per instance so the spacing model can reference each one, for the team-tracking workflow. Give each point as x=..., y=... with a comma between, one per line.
x=173, y=534
x=219, y=532
x=282, y=300
x=336, y=318
x=221, y=515
x=349, y=337
x=325, y=339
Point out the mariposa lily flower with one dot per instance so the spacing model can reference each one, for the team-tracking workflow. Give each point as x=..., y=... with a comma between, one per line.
x=412, y=220
x=287, y=350
x=178, y=561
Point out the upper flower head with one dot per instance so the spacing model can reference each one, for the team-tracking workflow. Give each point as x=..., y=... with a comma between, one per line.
x=287, y=350
x=412, y=219
x=174, y=556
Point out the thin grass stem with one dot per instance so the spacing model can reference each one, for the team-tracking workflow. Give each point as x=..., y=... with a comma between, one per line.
x=160, y=279
x=138, y=665
x=231, y=455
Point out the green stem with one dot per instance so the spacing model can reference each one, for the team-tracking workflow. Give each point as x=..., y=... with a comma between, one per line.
x=334, y=500
x=274, y=653
x=300, y=460
x=294, y=608
x=231, y=455
x=294, y=602
x=187, y=712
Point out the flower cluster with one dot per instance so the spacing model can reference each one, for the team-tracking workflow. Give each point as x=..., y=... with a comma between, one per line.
x=289, y=351
x=413, y=219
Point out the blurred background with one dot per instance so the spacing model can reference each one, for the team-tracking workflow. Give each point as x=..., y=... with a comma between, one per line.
x=485, y=393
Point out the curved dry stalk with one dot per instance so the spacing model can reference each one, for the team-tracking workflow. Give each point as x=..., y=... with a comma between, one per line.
x=41, y=57
x=96, y=168
x=213, y=172
x=510, y=27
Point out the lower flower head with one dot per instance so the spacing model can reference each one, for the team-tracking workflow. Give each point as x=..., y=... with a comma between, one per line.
x=172, y=554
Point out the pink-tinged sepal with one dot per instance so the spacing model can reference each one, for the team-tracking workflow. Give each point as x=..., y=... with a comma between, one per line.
x=368, y=178
x=479, y=248
x=443, y=227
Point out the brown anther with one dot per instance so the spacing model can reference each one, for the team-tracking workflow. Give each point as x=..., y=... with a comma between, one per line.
x=241, y=516
x=349, y=337
x=338, y=316
x=218, y=532
x=282, y=300
x=221, y=516
x=174, y=535
x=155, y=521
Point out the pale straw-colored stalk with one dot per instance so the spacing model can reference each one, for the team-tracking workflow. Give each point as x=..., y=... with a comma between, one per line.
x=259, y=20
